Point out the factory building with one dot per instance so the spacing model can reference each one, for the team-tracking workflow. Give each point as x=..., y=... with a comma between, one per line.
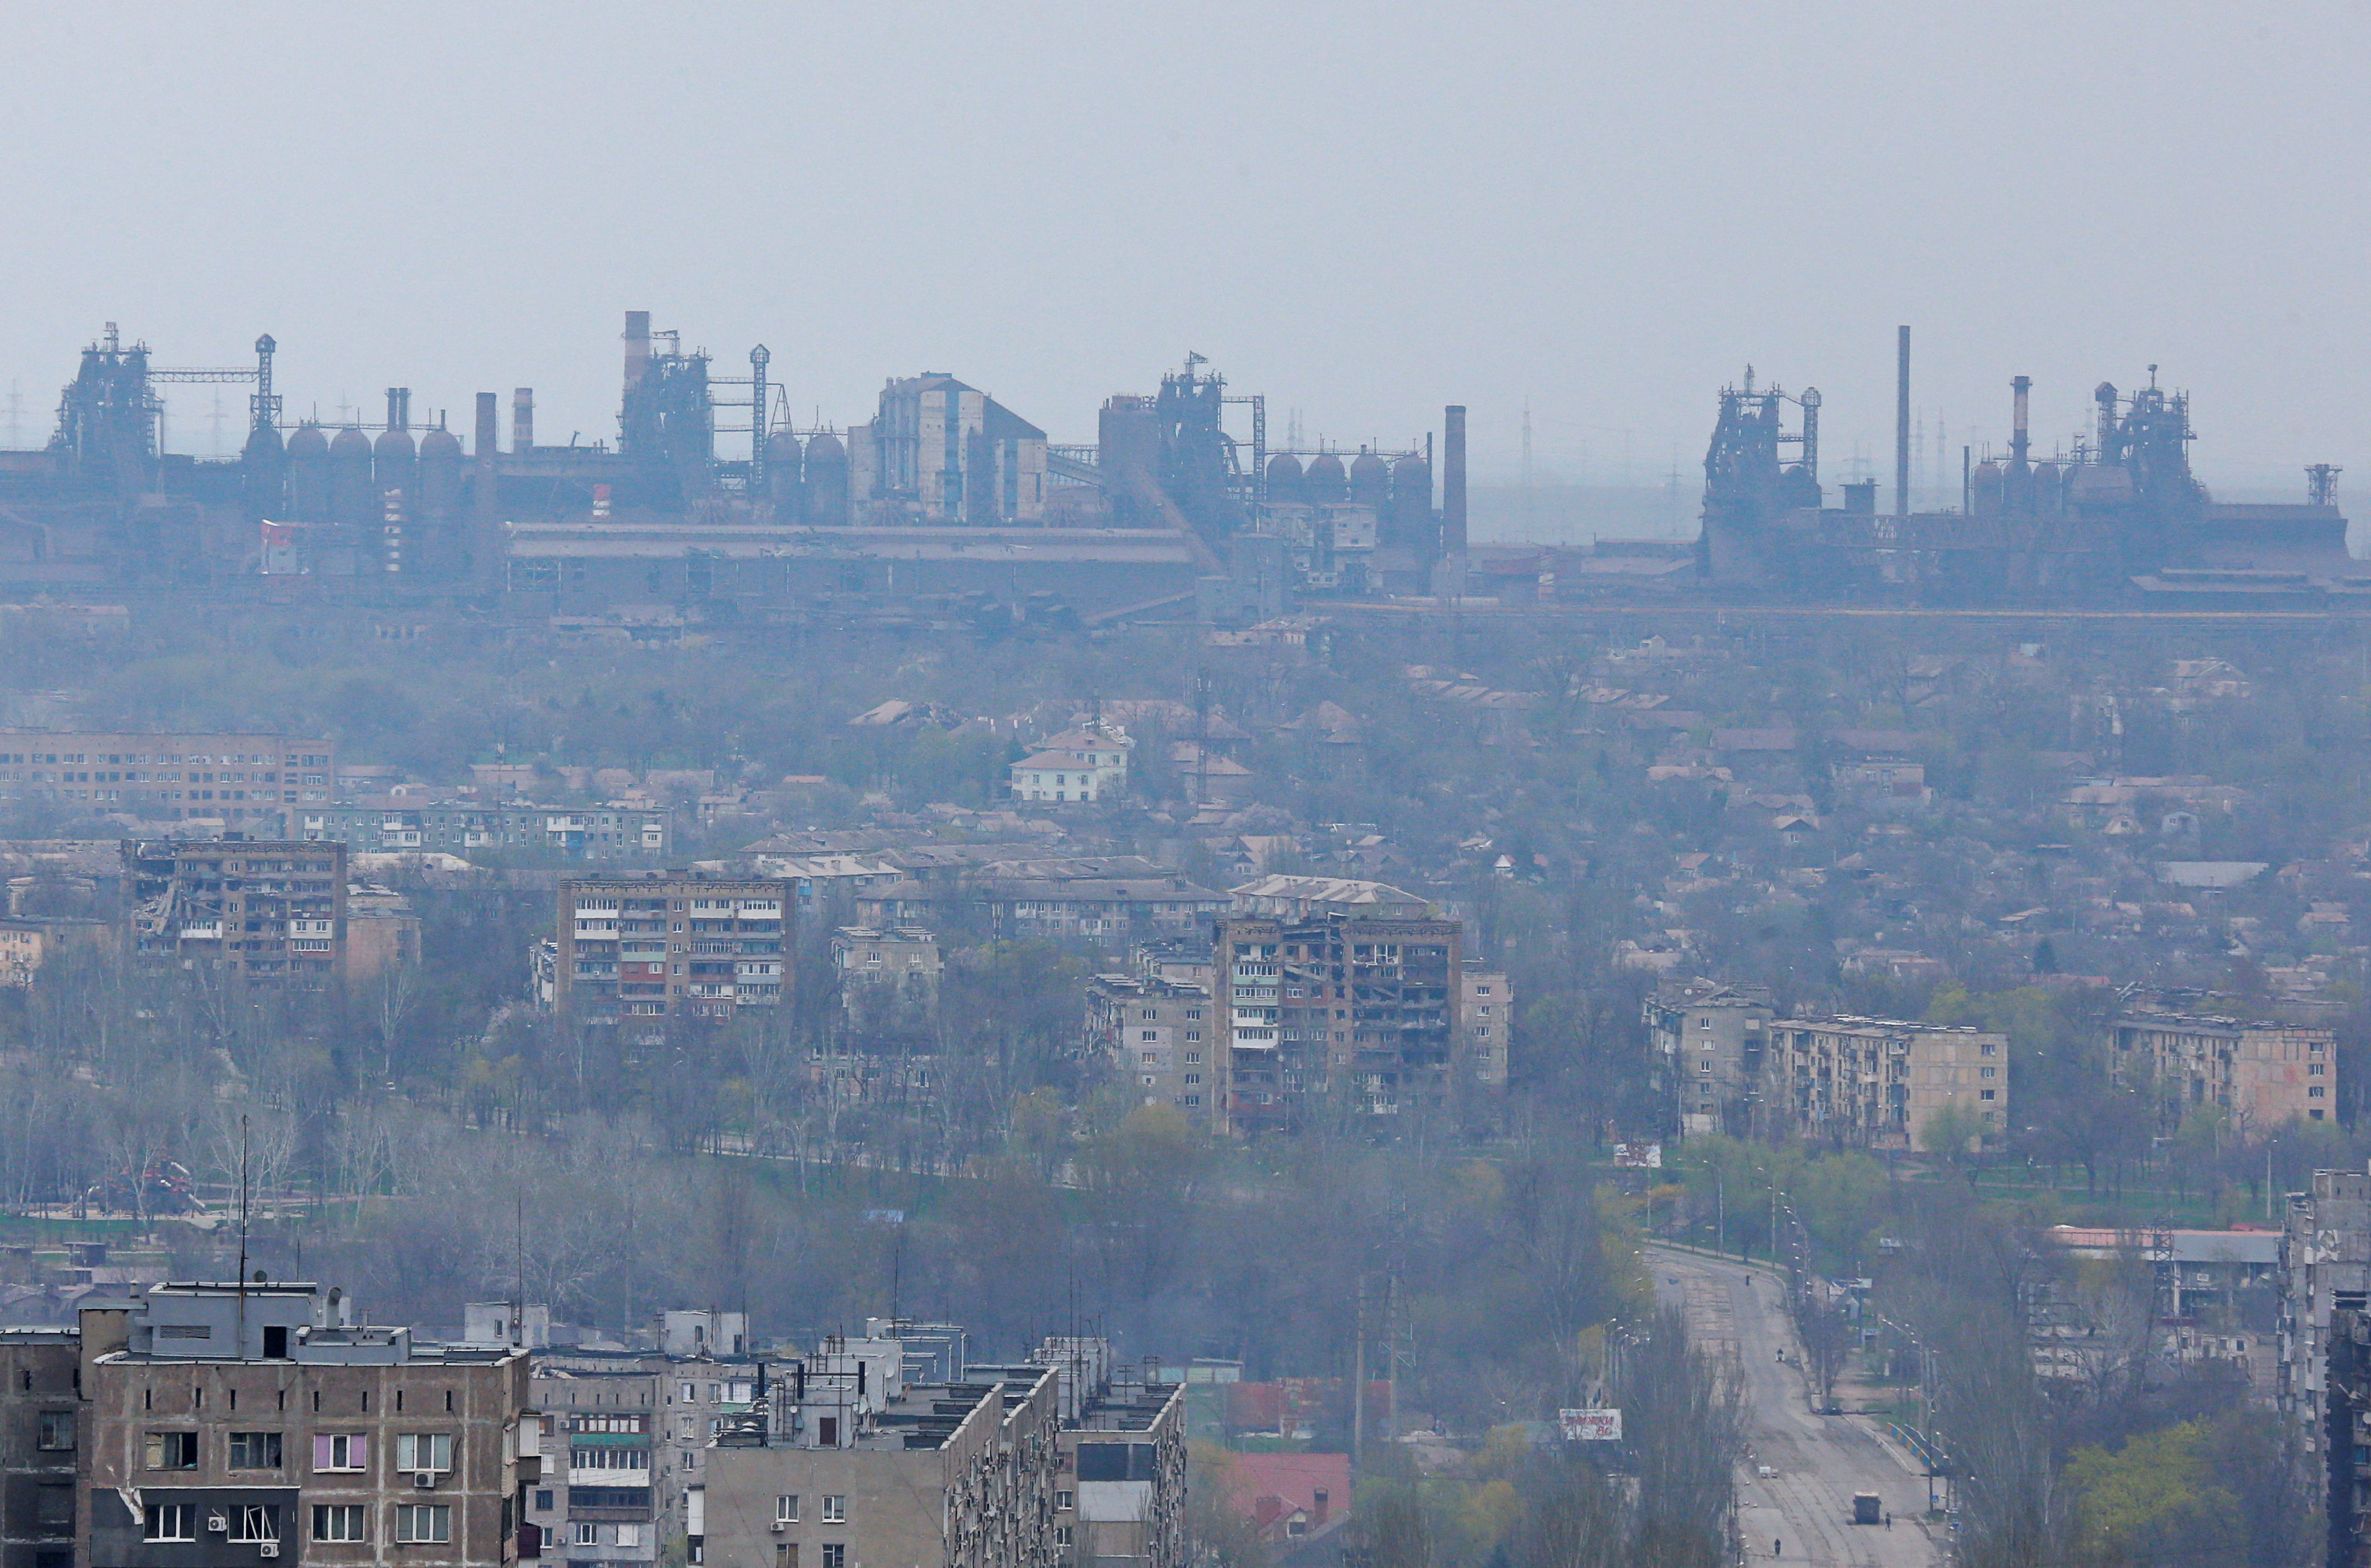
x=940, y=452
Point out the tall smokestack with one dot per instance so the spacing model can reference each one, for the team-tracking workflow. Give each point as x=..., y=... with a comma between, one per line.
x=523, y=420
x=1901, y=423
x=485, y=508
x=399, y=408
x=637, y=347
x=1452, y=481
x=2020, y=442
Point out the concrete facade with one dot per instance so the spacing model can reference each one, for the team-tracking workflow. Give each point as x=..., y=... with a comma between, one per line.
x=2325, y=1266
x=1711, y=1038
x=1882, y=1082
x=227, y=1427
x=1160, y=1038
x=263, y=909
x=252, y=782
x=2263, y=1073
x=40, y=1428
x=650, y=946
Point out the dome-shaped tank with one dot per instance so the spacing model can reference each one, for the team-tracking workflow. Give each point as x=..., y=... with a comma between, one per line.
x=1984, y=497
x=308, y=475
x=1370, y=480
x=264, y=474
x=782, y=475
x=1325, y=480
x=824, y=480
x=2047, y=481
x=352, y=505
x=1284, y=485
x=395, y=464
x=1407, y=518
x=441, y=500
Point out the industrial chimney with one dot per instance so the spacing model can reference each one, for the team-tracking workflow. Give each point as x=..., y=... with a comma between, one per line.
x=637, y=347
x=523, y=420
x=1452, y=481
x=1901, y=423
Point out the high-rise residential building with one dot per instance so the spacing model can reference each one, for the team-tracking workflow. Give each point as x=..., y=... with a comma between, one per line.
x=225, y=1424
x=1711, y=1038
x=650, y=946
x=1487, y=1010
x=262, y=909
x=41, y=1445
x=2263, y=1073
x=463, y=827
x=888, y=979
x=850, y=1461
x=1334, y=1006
x=1882, y=1083
x=2325, y=1268
x=252, y=782
x=1160, y=1038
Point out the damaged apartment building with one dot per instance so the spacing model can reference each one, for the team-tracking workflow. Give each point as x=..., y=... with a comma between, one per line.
x=220, y=1425
x=894, y=1447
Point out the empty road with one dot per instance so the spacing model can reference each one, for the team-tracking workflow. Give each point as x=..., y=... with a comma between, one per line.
x=1805, y=1507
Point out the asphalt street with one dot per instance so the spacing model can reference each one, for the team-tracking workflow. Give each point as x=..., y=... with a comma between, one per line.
x=1818, y=1461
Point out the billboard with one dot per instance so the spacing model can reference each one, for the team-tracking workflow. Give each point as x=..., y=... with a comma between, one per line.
x=1589, y=1426
x=1639, y=1157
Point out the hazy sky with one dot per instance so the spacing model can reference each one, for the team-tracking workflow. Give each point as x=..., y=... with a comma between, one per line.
x=1364, y=212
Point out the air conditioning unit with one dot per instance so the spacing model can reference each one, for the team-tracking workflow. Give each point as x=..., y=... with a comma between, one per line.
x=268, y=1548
x=423, y=1479
x=781, y=1524
x=217, y=1523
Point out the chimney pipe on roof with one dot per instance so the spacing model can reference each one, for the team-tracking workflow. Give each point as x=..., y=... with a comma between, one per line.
x=399, y=408
x=523, y=420
x=637, y=347
x=2018, y=440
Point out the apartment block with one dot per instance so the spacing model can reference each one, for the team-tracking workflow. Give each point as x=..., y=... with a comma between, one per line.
x=1121, y=1495
x=230, y=1423
x=1488, y=1019
x=2264, y=1074
x=26, y=944
x=626, y=1432
x=1160, y=1037
x=1336, y=1007
x=649, y=946
x=462, y=827
x=262, y=909
x=40, y=1430
x=249, y=781
x=888, y=979
x=1880, y=1083
x=1711, y=1038
x=2325, y=1268
x=847, y=1461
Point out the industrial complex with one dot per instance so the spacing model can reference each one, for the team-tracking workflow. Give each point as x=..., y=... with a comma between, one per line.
x=1181, y=509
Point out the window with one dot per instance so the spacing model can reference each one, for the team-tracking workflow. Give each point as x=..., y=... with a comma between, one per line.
x=57, y=1429
x=687, y=1392
x=423, y=1523
x=424, y=1451
x=543, y=1499
x=1990, y=1049
x=256, y=1521
x=1987, y=1072
x=786, y=1509
x=256, y=1450
x=1988, y=1093
x=54, y=1507
x=1064, y=1500
x=587, y=1534
x=835, y=1508
x=170, y=1521
x=834, y=1555
x=786, y=1554
x=338, y=1521
x=172, y=1450
x=340, y=1451
x=1061, y=1535
x=629, y=1535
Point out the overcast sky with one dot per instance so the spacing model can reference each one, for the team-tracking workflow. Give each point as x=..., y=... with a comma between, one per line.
x=1363, y=211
